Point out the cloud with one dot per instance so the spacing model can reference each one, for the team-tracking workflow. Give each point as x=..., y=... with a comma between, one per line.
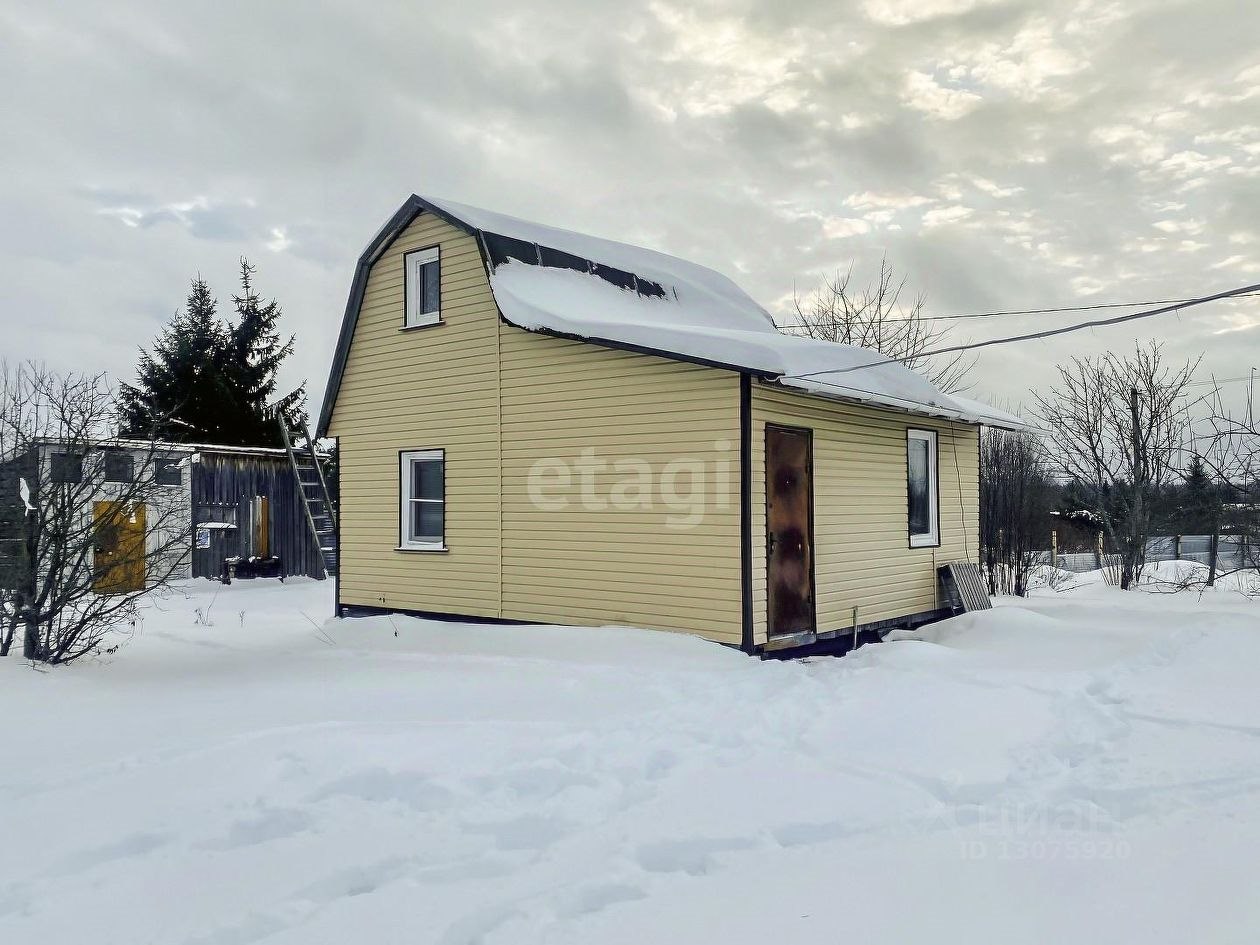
x=906, y=12
x=1190, y=227
x=1002, y=154
x=842, y=227
x=924, y=93
x=942, y=216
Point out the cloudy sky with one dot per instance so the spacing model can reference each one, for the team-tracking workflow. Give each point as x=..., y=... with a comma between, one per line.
x=1003, y=154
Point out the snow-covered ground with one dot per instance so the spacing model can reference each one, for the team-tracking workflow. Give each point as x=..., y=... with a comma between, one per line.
x=1083, y=767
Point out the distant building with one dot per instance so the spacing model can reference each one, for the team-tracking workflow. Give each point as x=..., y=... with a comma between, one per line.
x=235, y=503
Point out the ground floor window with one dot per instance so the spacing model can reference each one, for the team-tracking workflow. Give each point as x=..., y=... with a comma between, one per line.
x=924, y=505
x=422, y=487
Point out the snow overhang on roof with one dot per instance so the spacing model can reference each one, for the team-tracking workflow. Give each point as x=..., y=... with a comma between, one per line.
x=562, y=283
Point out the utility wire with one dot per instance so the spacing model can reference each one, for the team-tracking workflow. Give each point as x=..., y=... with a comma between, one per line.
x=1046, y=333
x=1028, y=311
x=1221, y=380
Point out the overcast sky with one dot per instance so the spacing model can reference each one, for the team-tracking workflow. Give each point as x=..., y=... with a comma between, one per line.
x=1003, y=154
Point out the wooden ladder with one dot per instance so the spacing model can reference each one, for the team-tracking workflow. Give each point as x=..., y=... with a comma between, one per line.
x=321, y=513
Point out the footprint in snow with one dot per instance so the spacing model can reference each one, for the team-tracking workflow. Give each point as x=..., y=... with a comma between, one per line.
x=135, y=845
x=695, y=856
x=268, y=826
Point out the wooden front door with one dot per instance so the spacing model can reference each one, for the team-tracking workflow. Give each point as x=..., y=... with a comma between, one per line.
x=118, y=549
x=789, y=530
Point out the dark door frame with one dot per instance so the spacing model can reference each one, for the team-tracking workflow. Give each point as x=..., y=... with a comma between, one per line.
x=808, y=433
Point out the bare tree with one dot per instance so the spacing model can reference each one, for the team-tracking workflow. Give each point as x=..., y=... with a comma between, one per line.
x=1117, y=429
x=1015, y=497
x=874, y=316
x=1228, y=444
x=90, y=523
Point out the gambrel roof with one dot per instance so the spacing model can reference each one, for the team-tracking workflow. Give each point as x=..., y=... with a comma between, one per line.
x=600, y=291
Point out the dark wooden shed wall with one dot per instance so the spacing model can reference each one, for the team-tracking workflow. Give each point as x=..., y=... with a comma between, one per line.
x=225, y=480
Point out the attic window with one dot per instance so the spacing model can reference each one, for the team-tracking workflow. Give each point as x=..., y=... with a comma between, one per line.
x=423, y=289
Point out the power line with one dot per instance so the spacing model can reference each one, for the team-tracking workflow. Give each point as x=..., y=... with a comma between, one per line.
x=1221, y=380
x=1030, y=311
x=1046, y=333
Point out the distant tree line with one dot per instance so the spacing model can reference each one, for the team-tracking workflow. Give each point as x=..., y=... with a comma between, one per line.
x=1120, y=452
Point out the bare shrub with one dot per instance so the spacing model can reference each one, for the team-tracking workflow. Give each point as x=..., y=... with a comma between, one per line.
x=90, y=523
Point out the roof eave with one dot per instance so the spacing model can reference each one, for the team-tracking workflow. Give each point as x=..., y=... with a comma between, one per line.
x=910, y=407
x=411, y=208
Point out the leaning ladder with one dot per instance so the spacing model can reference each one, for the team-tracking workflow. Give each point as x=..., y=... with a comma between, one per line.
x=321, y=514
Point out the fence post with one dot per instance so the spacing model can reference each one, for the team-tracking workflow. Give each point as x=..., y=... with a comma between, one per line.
x=1054, y=547
x=30, y=635
x=1213, y=544
x=1176, y=547
x=1098, y=551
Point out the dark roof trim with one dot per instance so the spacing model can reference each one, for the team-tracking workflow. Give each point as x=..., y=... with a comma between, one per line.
x=401, y=219
x=411, y=208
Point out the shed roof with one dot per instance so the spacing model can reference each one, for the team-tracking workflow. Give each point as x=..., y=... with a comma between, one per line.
x=162, y=446
x=558, y=282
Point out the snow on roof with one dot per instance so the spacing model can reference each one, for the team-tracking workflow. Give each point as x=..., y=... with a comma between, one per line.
x=701, y=290
x=162, y=446
x=556, y=281
x=698, y=319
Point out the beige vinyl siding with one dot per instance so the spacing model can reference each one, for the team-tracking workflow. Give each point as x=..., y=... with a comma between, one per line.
x=619, y=565
x=445, y=388
x=424, y=388
x=862, y=556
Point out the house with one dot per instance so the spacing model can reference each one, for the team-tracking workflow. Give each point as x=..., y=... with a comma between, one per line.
x=187, y=508
x=540, y=426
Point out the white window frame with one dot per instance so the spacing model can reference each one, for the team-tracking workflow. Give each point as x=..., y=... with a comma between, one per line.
x=415, y=262
x=408, y=542
x=932, y=537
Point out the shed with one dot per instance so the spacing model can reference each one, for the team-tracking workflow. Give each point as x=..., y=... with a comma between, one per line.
x=246, y=502
x=231, y=502
x=536, y=425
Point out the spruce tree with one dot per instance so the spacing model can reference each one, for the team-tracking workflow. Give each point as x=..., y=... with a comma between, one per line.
x=254, y=355
x=207, y=381
x=180, y=390
x=1201, y=501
